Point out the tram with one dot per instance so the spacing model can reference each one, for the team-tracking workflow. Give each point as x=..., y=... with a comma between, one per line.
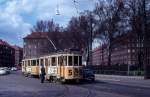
x=63, y=66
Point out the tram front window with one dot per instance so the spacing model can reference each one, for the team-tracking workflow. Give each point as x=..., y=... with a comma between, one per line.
x=70, y=60
x=80, y=60
x=42, y=62
x=65, y=60
x=29, y=63
x=53, y=61
x=37, y=62
x=34, y=63
x=46, y=62
x=75, y=60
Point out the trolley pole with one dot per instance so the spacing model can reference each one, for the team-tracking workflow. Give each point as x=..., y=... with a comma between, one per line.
x=52, y=43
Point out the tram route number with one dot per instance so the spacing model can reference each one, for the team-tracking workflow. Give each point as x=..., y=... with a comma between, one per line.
x=70, y=72
x=76, y=72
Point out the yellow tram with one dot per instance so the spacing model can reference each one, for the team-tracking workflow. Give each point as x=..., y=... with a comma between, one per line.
x=63, y=66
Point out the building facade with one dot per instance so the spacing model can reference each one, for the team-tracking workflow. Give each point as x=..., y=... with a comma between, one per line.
x=7, y=54
x=126, y=50
x=37, y=44
x=18, y=55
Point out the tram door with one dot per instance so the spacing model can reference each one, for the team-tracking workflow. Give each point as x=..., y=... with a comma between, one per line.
x=61, y=62
x=46, y=65
x=41, y=63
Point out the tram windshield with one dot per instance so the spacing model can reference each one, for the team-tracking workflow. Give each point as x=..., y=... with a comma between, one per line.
x=80, y=60
x=62, y=60
x=37, y=62
x=54, y=61
x=75, y=60
x=70, y=61
x=28, y=62
x=46, y=62
x=33, y=62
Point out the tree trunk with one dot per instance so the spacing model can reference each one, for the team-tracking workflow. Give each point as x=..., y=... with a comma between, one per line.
x=109, y=54
x=146, y=43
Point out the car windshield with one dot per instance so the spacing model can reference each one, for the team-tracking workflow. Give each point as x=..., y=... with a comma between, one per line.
x=88, y=71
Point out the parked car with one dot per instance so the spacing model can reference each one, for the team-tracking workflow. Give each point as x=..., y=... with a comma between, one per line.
x=88, y=74
x=14, y=69
x=3, y=71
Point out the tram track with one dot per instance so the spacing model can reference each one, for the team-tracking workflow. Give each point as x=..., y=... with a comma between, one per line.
x=65, y=91
x=89, y=93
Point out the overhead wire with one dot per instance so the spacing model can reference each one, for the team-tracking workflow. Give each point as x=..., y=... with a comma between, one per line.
x=57, y=8
x=76, y=3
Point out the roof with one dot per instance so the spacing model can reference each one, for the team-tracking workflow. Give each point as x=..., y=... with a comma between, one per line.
x=17, y=47
x=4, y=43
x=37, y=35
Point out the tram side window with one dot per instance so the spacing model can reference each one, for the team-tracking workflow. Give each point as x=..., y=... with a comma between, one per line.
x=34, y=63
x=29, y=63
x=53, y=61
x=46, y=62
x=65, y=60
x=70, y=60
x=75, y=60
x=42, y=62
x=25, y=63
x=80, y=60
x=59, y=61
x=37, y=62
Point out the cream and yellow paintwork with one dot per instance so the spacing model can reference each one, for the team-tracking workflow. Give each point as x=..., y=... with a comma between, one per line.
x=34, y=70
x=69, y=72
x=64, y=71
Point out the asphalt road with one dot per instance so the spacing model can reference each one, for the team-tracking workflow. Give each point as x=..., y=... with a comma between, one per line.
x=16, y=85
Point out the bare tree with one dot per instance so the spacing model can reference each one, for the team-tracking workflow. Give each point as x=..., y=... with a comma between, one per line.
x=138, y=12
x=46, y=26
x=108, y=13
x=40, y=26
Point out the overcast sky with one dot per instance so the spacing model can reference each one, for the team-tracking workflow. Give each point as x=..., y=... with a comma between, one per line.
x=18, y=16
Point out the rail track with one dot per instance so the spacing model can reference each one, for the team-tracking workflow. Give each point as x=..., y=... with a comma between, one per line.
x=65, y=91
x=89, y=93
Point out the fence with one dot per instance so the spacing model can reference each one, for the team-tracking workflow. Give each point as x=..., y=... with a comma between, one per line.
x=118, y=70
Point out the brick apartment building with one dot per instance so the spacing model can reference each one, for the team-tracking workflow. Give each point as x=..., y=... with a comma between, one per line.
x=18, y=55
x=7, y=54
x=126, y=50
x=37, y=44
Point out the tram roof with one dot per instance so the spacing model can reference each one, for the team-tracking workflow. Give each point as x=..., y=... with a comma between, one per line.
x=57, y=54
x=63, y=52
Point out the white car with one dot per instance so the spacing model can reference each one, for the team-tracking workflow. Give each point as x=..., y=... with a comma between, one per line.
x=3, y=71
x=14, y=69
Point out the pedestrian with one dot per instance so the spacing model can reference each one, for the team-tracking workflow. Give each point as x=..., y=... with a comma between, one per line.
x=42, y=75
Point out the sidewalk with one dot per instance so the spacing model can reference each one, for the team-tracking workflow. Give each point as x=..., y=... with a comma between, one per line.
x=124, y=80
x=119, y=77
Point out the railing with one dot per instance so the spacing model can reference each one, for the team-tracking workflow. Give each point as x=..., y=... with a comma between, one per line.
x=114, y=72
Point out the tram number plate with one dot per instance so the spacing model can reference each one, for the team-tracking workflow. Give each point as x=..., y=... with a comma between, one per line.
x=70, y=72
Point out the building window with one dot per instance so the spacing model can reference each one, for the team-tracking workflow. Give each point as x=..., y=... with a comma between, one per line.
x=128, y=50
